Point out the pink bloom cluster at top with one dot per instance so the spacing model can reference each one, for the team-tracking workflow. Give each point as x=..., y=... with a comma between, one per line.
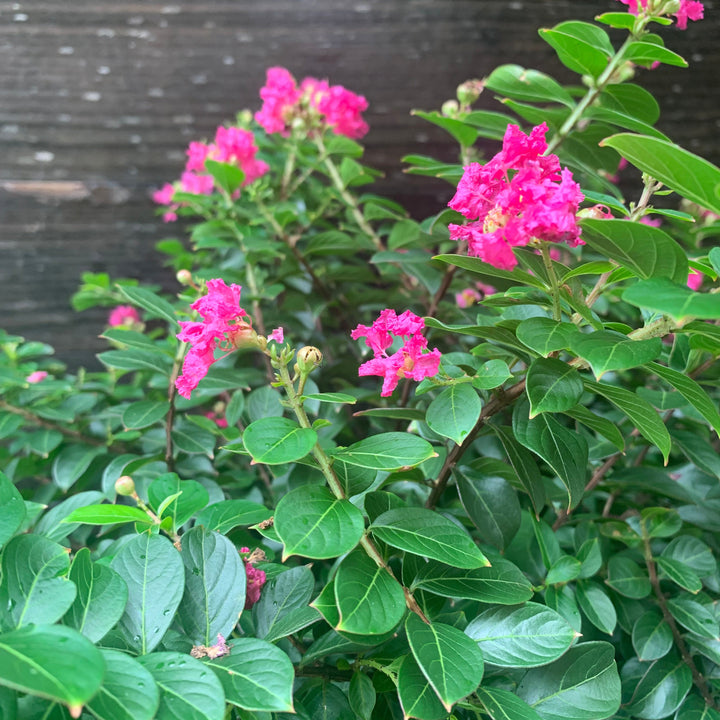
x=36, y=377
x=123, y=315
x=689, y=10
x=232, y=145
x=224, y=324
x=336, y=107
x=410, y=360
x=518, y=196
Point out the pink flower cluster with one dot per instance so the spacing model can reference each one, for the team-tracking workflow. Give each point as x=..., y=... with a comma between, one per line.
x=125, y=315
x=224, y=325
x=410, y=360
x=330, y=105
x=689, y=10
x=232, y=145
x=518, y=196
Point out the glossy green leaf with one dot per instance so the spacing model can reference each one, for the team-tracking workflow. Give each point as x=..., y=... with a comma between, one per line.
x=694, y=708
x=527, y=85
x=565, y=451
x=53, y=662
x=225, y=515
x=647, y=53
x=688, y=174
x=53, y=523
x=673, y=299
x=491, y=503
x=33, y=584
x=128, y=690
x=698, y=450
x=658, y=521
x=607, y=350
x=679, y=574
x=227, y=176
x=582, y=685
x=153, y=571
x=313, y=523
x=652, y=637
x=101, y=597
x=627, y=577
x=144, y=413
x=662, y=688
x=8, y=703
x=561, y=598
x=155, y=305
x=387, y=451
x=693, y=616
x=332, y=397
x=476, y=265
x=187, y=437
x=491, y=374
x=563, y=570
x=71, y=462
x=362, y=695
x=462, y=132
x=13, y=509
x=580, y=46
x=596, y=605
x=278, y=440
x=640, y=412
x=214, y=593
x=187, y=690
x=648, y=251
x=449, y=659
x=691, y=552
x=504, y=705
x=256, y=676
x=552, y=386
x=289, y=591
x=429, y=534
x=599, y=424
x=107, y=514
x=454, y=412
x=544, y=335
x=417, y=697
x=136, y=359
x=502, y=583
x=192, y=498
x=522, y=637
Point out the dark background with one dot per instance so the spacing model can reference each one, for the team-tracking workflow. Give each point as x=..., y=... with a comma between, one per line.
x=99, y=99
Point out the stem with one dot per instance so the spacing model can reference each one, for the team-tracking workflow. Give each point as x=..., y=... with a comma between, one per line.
x=552, y=277
x=444, y=285
x=170, y=417
x=288, y=171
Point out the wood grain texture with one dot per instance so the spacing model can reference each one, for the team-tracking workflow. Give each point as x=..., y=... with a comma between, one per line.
x=99, y=98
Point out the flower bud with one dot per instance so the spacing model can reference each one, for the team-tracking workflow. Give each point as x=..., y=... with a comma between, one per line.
x=125, y=485
x=469, y=91
x=243, y=336
x=308, y=358
x=597, y=212
x=450, y=108
x=184, y=277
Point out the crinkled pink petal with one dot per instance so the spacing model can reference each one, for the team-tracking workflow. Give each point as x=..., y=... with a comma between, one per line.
x=191, y=182
x=280, y=95
x=254, y=584
x=341, y=109
x=164, y=195
x=197, y=153
x=277, y=335
x=695, y=279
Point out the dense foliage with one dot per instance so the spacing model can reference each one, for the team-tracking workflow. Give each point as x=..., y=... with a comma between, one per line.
x=462, y=466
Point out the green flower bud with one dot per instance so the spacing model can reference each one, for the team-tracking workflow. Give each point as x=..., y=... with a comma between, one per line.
x=469, y=91
x=125, y=485
x=184, y=277
x=450, y=108
x=308, y=358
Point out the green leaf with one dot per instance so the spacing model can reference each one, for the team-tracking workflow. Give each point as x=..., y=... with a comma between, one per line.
x=691, y=391
x=628, y=578
x=449, y=659
x=521, y=637
x=287, y=592
x=313, y=523
x=256, y=676
x=192, y=497
x=580, y=46
x=527, y=85
x=596, y=605
x=429, y=534
x=214, y=593
x=362, y=695
x=9, y=423
x=33, y=587
x=454, y=412
x=278, y=440
x=134, y=359
x=108, y=515
x=563, y=570
x=582, y=685
x=417, y=697
x=150, y=302
x=647, y=53
x=43, y=442
x=552, y=386
x=491, y=374
x=369, y=599
x=694, y=708
x=599, y=424
x=144, y=413
x=71, y=463
x=331, y=397
x=52, y=662
x=387, y=451
x=464, y=133
x=225, y=515
x=679, y=574
x=293, y=622
x=678, y=301
x=504, y=705
x=52, y=523
x=662, y=688
x=502, y=583
x=189, y=438
x=692, y=553
x=101, y=597
x=187, y=690
x=561, y=598
x=153, y=571
x=13, y=509
x=489, y=124
x=648, y=251
x=607, y=350
x=652, y=637
x=473, y=264
x=566, y=452
x=693, y=616
x=641, y=414
x=682, y=171
x=226, y=176
x=544, y=335
x=128, y=691
x=491, y=503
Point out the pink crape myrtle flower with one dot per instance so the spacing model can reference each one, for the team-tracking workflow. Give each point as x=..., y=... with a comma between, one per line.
x=410, y=361
x=36, y=377
x=688, y=10
x=695, y=279
x=255, y=578
x=342, y=111
x=280, y=95
x=123, y=315
x=518, y=196
x=225, y=325
x=277, y=335
x=469, y=296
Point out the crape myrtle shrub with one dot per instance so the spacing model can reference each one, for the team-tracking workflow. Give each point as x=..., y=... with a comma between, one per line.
x=367, y=467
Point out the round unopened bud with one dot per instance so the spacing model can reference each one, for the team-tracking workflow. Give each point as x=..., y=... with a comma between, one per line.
x=124, y=485
x=243, y=336
x=596, y=212
x=244, y=118
x=450, y=108
x=308, y=358
x=184, y=277
x=469, y=91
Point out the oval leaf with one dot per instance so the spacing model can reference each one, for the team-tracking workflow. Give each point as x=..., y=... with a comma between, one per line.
x=454, y=412
x=278, y=440
x=387, y=451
